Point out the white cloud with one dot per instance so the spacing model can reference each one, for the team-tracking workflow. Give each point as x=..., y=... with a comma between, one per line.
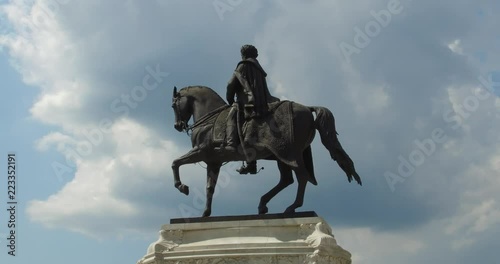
x=55, y=138
x=140, y=160
x=456, y=47
x=369, y=246
x=479, y=211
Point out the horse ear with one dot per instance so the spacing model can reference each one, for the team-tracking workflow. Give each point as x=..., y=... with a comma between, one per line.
x=175, y=91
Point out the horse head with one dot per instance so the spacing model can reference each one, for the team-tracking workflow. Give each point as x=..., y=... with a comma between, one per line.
x=180, y=104
x=193, y=102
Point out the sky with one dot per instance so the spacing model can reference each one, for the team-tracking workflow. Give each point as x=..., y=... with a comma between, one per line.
x=414, y=87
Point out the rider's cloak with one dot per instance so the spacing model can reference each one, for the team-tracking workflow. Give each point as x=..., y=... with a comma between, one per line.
x=249, y=84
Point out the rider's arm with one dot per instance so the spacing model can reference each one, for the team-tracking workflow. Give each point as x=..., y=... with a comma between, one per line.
x=231, y=89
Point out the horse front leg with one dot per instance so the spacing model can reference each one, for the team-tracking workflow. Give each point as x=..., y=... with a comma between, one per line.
x=212, y=176
x=192, y=156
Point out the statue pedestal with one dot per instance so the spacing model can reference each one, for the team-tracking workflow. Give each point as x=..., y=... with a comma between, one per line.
x=268, y=239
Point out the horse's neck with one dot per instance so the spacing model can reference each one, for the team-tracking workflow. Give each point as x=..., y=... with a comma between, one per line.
x=201, y=109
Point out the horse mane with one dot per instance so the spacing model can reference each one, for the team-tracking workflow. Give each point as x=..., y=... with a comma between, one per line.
x=207, y=92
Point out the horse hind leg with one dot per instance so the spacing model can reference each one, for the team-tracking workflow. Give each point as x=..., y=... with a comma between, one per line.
x=302, y=175
x=286, y=178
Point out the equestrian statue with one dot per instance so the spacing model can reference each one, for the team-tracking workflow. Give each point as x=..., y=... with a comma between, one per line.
x=254, y=126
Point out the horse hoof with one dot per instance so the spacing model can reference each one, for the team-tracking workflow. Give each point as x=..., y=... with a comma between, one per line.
x=263, y=209
x=184, y=189
x=289, y=211
x=207, y=213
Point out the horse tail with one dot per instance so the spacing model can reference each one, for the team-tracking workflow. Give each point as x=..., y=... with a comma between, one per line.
x=325, y=124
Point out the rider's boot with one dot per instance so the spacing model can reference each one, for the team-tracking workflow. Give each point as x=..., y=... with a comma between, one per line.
x=231, y=132
x=251, y=168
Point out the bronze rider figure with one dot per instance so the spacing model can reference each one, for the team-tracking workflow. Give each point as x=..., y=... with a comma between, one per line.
x=248, y=84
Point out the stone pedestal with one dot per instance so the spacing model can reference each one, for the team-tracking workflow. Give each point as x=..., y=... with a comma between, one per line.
x=272, y=240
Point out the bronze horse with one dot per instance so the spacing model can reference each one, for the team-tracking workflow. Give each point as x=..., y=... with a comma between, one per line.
x=200, y=102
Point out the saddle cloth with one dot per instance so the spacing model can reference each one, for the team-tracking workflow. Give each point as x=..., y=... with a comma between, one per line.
x=273, y=132
x=219, y=130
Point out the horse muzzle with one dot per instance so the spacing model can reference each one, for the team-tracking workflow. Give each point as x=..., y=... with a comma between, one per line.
x=181, y=126
x=178, y=126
